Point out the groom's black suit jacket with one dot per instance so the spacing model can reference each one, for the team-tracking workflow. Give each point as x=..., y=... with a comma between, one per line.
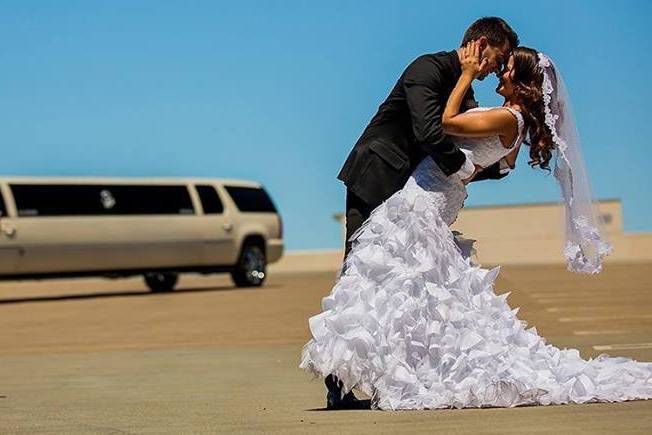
x=407, y=128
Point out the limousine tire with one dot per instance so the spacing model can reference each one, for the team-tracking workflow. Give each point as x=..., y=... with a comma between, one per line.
x=250, y=271
x=159, y=282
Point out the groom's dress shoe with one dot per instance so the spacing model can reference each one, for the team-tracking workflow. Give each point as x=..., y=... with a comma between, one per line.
x=349, y=401
x=334, y=399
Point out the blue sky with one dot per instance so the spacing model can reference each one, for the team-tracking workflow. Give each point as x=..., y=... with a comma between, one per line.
x=278, y=92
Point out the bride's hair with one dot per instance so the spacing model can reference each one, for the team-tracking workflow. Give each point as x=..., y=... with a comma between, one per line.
x=527, y=82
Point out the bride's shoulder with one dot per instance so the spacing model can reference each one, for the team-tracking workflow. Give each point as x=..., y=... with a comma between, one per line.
x=483, y=108
x=492, y=110
x=502, y=111
x=479, y=109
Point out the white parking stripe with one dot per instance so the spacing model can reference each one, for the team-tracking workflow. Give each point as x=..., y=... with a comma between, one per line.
x=592, y=308
x=592, y=318
x=603, y=302
x=593, y=299
x=575, y=294
x=623, y=346
x=598, y=332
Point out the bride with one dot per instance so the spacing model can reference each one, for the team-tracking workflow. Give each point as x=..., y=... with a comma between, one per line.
x=413, y=323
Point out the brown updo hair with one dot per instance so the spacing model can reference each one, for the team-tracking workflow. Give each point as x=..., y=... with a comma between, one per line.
x=527, y=83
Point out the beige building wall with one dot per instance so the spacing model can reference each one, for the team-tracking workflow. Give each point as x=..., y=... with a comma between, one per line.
x=510, y=234
x=534, y=233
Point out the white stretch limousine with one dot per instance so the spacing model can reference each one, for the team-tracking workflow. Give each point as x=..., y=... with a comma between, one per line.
x=117, y=227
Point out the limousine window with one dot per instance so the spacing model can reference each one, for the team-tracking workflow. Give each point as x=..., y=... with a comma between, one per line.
x=210, y=200
x=98, y=199
x=3, y=210
x=251, y=199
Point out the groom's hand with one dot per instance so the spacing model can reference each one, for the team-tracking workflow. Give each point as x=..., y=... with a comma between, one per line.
x=478, y=168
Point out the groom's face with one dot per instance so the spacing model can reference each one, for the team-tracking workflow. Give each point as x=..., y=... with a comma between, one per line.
x=495, y=56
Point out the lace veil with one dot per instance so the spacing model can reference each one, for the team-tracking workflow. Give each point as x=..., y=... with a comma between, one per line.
x=585, y=244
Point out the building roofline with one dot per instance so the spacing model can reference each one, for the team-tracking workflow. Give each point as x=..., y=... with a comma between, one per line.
x=521, y=204
x=536, y=204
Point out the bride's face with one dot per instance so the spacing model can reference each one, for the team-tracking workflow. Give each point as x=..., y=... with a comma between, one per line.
x=506, y=79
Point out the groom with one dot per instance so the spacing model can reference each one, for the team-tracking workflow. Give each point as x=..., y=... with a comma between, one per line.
x=407, y=128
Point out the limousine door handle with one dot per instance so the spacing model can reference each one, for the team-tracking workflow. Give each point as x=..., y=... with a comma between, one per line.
x=7, y=230
x=227, y=226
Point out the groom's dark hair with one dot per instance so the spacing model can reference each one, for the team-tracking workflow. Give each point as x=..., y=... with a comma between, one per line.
x=495, y=29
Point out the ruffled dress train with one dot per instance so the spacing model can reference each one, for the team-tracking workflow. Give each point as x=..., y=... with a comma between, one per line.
x=413, y=323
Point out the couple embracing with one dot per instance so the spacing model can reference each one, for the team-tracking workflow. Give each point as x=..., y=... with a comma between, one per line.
x=412, y=321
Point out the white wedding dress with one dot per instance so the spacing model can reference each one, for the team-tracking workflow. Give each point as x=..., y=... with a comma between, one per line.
x=414, y=324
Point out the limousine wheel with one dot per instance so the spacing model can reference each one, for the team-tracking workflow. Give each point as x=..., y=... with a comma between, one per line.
x=250, y=270
x=161, y=281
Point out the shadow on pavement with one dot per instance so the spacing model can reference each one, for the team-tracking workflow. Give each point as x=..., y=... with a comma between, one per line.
x=360, y=405
x=111, y=294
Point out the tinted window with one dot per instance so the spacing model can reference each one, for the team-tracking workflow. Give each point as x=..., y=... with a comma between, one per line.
x=251, y=199
x=3, y=210
x=210, y=200
x=97, y=199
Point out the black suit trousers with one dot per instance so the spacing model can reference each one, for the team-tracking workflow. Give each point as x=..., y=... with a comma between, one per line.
x=357, y=211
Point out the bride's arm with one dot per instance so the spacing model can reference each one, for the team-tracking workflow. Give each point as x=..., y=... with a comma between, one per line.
x=493, y=122
x=473, y=124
